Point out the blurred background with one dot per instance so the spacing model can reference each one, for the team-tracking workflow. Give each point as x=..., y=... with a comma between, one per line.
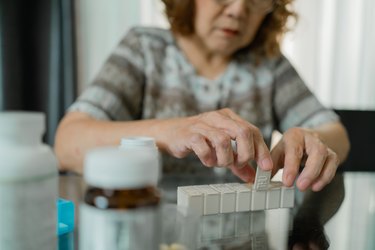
x=51, y=49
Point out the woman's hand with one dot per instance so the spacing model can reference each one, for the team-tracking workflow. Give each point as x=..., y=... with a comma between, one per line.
x=209, y=136
x=300, y=146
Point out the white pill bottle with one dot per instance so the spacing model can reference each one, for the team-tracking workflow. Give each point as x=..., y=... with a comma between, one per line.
x=121, y=206
x=28, y=184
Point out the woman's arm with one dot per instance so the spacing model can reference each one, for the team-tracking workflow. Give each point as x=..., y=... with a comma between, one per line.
x=78, y=132
x=208, y=135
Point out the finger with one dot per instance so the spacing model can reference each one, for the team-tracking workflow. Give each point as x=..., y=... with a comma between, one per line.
x=247, y=173
x=219, y=122
x=251, y=146
x=243, y=132
x=245, y=148
x=248, y=138
x=262, y=153
x=203, y=150
x=328, y=172
x=294, y=147
x=317, y=154
x=235, y=155
x=220, y=142
x=239, y=130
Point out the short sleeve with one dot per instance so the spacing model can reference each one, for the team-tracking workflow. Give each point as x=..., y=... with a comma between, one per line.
x=117, y=91
x=294, y=104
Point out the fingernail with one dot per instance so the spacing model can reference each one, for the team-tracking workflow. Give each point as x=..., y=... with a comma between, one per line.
x=267, y=164
x=304, y=183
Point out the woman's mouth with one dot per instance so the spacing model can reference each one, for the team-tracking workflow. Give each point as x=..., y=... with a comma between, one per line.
x=230, y=32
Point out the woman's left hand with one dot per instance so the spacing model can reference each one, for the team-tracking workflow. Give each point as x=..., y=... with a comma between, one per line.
x=301, y=146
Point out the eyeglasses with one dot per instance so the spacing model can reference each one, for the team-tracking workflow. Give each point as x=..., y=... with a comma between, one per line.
x=254, y=6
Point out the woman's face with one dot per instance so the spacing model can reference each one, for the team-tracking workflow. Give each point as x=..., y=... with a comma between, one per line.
x=224, y=28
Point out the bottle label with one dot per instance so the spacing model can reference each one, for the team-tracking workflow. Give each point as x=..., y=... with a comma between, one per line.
x=119, y=229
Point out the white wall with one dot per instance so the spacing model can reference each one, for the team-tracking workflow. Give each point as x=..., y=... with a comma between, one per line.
x=333, y=49
x=101, y=25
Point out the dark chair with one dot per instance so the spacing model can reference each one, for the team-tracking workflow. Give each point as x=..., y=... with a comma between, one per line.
x=361, y=130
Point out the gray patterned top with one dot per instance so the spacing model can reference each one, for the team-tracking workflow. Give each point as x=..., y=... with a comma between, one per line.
x=148, y=76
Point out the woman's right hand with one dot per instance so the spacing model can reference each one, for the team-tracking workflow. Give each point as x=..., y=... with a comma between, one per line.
x=209, y=136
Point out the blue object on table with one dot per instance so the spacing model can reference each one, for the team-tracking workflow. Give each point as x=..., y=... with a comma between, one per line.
x=65, y=216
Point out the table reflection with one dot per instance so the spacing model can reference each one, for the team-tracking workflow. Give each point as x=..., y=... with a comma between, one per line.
x=312, y=214
x=319, y=220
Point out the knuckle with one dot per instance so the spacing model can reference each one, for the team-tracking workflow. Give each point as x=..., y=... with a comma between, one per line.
x=226, y=110
x=197, y=138
x=322, y=150
x=256, y=131
x=244, y=132
x=335, y=158
x=222, y=140
x=298, y=152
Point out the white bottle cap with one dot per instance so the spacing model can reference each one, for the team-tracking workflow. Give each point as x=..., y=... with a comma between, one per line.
x=112, y=168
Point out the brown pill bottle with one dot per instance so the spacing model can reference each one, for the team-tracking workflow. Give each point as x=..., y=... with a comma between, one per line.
x=121, y=205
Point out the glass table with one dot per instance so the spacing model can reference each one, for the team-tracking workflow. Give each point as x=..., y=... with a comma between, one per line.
x=341, y=216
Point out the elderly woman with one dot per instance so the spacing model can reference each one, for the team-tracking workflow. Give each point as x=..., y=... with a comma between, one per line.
x=215, y=77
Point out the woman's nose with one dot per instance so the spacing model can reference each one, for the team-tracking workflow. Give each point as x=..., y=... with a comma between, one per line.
x=236, y=9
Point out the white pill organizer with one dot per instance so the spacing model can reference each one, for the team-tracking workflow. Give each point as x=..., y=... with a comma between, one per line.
x=236, y=197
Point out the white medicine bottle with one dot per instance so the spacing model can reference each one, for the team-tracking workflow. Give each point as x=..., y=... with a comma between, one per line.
x=28, y=184
x=121, y=208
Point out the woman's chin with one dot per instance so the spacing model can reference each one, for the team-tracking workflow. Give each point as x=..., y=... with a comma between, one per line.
x=223, y=49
